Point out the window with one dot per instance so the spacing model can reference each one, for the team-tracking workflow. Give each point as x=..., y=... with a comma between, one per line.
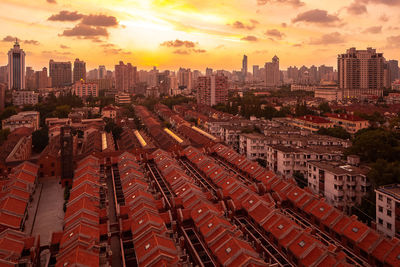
x=389, y=226
x=380, y=208
x=380, y=197
x=380, y=221
x=389, y=213
x=389, y=201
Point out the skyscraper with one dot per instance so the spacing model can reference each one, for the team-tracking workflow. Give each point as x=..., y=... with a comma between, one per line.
x=212, y=90
x=79, y=70
x=361, y=72
x=16, y=68
x=185, y=79
x=244, y=68
x=60, y=73
x=209, y=71
x=394, y=70
x=102, y=72
x=125, y=77
x=272, y=74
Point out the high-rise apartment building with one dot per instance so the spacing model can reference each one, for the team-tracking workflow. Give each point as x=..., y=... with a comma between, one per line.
x=272, y=73
x=79, y=70
x=4, y=74
x=361, y=72
x=41, y=79
x=209, y=71
x=394, y=70
x=102, y=72
x=84, y=89
x=30, y=82
x=185, y=79
x=60, y=73
x=16, y=68
x=125, y=77
x=256, y=71
x=212, y=90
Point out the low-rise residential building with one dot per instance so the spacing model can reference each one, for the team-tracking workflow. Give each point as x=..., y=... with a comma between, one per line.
x=350, y=123
x=286, y=160
x=109, y=112
x=28, y=119
x=311, y=122
x=22, y=97
x=342, y=184
x=253, y=145
x=49, y=160
x=122, y=98
x=388, y=210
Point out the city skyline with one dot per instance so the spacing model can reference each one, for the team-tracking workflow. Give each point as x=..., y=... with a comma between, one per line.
x=196, y=34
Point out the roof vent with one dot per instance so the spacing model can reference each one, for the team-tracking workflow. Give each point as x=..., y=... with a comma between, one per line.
x=127, y=173
x=147, y=247
x=209, y=225
x=302, y=244
x=355, y=229
x=66, y=263
x=71, y=234
x=175, y=178
x=133, y=196
x=296, y=194
x=228, y=250
x=183, y=189
x=321, y=209
x=280, y=227
x=199, y=211
x=130, y=183
x=251, y=201
x=141, y=221
x=227, y=182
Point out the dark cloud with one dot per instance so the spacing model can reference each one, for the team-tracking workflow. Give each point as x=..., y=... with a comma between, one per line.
x=249, y=38
x=178, y=43
x=100, y=20
x=64, y=47
x=181, y=52
x=384, y=2
x=52, y=1
x=329, y=38
x=9, y=38
x=199, y=50
x=373, y=29
x=317, y=16
x=275, y=33
x=65, y=15
x=32, y=42
x=295, y=3
x=85, y=31
x=357, y=8
x=240, y=25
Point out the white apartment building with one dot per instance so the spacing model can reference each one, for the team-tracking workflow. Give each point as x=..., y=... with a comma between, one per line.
x=29, y=119
x=388, y=210
x=285, y=160
x=20, y=98
x=253, y=145
x=340, y=183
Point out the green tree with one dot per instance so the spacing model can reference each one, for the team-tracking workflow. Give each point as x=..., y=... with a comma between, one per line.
x=324, y=107
x=337, y=132
x=3, y=135
x=63, y=111
x=40, y=139
x=8, y=112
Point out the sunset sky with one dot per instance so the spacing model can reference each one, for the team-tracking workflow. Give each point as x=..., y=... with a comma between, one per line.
x=197, y=33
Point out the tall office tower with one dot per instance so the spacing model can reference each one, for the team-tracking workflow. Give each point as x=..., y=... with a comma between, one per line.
x=361, y=72
x=209, y=71
x=394, y=69
x=244, y=68
x=102, y=72
x=42, y=80
x=16, y=68
x=163, y=83
x=79, y=70
x=256, y=70
x=125, y=77
x=272, y=74
x=60, y=73
x=30, y=82
x=185, y=79
x=212, y=90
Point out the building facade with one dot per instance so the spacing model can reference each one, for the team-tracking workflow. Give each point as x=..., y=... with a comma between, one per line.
x=60, y=73
x=272, y=73
x=20, y=98
x=388, y=210
x=84, y=89
x=16, y=68
x=125, y=77
x=79, y=70
x=361, y=72
x=212, y=90
x=28, y=119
